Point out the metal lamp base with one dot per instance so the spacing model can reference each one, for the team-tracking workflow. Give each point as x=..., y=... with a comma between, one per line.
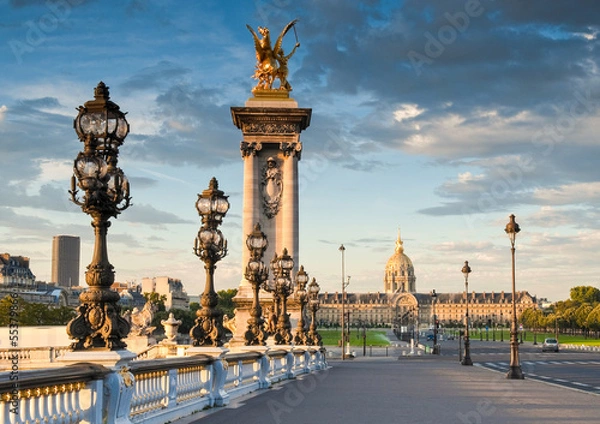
x=515, y=373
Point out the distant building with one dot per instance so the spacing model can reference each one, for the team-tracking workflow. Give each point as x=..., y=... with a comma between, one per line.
x=16, y=276
x=402, y=308
x=15, y=272
x=131, y=295
x=65, y=260
x=171, y=288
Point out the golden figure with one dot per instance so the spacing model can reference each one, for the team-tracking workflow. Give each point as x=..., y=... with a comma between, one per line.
x=271, y=61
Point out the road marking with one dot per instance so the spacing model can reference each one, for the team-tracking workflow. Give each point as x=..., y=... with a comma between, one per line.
x=560, y=380
x=576, y=383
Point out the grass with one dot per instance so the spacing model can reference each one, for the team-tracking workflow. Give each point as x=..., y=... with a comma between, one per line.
x=375, y=337
x=562, y=338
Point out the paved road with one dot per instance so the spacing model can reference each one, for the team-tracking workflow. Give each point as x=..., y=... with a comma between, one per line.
x=418, y=389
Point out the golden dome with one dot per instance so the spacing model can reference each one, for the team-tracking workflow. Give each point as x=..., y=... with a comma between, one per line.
x=399, y=271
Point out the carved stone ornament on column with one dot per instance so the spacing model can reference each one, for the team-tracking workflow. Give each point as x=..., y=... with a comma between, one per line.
x=250, y=149
x=272, y=187
x=291, y=149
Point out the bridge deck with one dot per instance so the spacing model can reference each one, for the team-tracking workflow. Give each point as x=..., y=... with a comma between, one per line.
x=428, y=389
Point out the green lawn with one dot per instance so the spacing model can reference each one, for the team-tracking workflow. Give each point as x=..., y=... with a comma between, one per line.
x=374, y=337
x=562, y=338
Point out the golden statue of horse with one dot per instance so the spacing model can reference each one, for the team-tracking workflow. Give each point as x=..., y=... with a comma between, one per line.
x=271, y=61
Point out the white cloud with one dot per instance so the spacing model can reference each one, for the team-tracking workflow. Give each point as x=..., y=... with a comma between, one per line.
x=467, y=177
x=3, y=110
x=569, y=193
x=407, y=111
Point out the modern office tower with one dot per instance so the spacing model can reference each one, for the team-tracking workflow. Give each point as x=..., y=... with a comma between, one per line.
x=65, y=260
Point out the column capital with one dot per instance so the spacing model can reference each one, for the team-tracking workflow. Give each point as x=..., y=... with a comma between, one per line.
x=250, y=148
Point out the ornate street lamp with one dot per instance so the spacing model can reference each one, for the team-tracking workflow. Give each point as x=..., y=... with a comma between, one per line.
x=433, y=300
x=466, y=270
x=501, y=326
x=210, y=246
x=314, y=338
x=282, y=266
x=257, y=273
x=515, y=372
x=102, y=128
x=300, y=338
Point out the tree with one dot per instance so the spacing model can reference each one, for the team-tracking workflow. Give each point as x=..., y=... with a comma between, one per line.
x=5, y=305
x=585, y=294
x=594, y=318
x=226, y=304
x=581, y=316
x=156, y=299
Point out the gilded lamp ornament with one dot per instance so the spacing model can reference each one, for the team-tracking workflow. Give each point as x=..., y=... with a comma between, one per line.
x=210, y=246
x=102, y=128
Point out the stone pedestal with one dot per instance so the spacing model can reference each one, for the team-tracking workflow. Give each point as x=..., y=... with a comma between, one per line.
x=271, y=124
x=114, y=359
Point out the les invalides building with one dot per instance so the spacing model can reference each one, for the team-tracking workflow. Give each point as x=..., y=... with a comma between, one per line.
x=401, y=307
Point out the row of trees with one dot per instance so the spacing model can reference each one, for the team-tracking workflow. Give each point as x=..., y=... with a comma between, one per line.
x=34, y=313
x=580, y=314
x=31, y=314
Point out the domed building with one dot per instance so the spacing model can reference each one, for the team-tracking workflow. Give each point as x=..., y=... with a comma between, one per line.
x=399, y=271
x=402, y=308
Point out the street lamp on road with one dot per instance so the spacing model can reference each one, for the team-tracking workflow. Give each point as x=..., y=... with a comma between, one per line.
x=344, y=285
x=435, y=338
x=466, y=270
x=515, y=372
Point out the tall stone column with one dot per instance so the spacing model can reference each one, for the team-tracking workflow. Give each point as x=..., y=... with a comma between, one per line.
x=271, y=125
x=250, y=210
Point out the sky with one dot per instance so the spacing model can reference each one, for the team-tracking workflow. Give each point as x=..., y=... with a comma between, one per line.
x=438, y=119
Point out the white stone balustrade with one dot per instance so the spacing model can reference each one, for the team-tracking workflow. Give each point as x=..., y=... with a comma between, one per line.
x=149, y=391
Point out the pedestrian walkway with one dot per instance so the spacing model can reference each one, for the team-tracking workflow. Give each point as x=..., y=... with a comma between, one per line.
x=413, y=390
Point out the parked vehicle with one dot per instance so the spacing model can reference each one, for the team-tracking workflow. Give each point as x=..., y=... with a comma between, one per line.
x=550, y=345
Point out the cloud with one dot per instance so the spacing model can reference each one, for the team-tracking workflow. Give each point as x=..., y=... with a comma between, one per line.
x=3, y=110
x=147, y=214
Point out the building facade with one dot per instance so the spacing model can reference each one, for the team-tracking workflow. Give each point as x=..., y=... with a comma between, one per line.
x=65, y=260
x=399, y=306
x=15, y=272
x=172, y=288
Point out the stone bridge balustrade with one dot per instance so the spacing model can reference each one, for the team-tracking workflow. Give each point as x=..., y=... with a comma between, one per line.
x=151, y=391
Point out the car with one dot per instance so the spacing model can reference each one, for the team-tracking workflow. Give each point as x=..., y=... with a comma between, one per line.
x=550, y=345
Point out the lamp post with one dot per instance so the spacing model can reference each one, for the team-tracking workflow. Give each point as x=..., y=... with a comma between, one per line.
x=257, y=273
x=301, y=295
x=210, y=246
x=466, y=270
x=282, y=266
x=515, y=372
x=501, y=326
x=102, y=128
x=314, y=338
x=433, y=300
x=344, y=285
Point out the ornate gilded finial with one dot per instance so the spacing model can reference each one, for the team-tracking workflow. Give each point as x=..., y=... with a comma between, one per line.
x=271, y=62
x=399, y=243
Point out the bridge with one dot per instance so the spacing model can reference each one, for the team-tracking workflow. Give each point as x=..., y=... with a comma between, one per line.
x=304, y=384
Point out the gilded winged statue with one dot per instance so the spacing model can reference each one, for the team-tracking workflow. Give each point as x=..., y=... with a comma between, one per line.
x=271, y=61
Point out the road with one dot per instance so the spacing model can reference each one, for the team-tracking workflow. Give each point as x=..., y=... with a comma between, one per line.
x=572, y=369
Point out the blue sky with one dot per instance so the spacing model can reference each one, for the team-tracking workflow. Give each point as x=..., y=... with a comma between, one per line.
x=439, y=118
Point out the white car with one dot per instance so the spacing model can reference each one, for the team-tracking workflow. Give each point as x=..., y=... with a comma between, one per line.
x=550, y=345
